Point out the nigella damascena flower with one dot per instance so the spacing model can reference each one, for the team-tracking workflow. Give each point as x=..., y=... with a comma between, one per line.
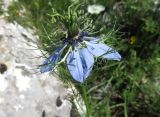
x=80, y=58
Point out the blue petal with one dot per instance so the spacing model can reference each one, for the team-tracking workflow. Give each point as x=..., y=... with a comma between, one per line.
x=112, y=56
x=97, y=49
x=87, y=61
x=49, y=63
x=75, y=67
x=100, y=49
x=91, y=39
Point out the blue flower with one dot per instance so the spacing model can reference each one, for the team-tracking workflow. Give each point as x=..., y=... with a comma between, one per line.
x=49, y=63
x=80, y=56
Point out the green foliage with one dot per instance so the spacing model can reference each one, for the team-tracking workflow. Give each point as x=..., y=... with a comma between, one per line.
x=1, y=11
x=129, y=88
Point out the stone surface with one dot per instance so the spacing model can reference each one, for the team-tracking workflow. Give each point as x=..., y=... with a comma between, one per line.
x=24, y=92
x=6, y=4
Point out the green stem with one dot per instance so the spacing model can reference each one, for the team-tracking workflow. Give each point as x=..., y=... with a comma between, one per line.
x=64, y=58
x=125, y=108
x=117, y=105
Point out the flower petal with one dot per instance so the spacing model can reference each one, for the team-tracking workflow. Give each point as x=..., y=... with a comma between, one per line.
x=91, y=39
x=49, y=63
x=97, y=49
x=75, y=67
x=87, y=61
x=112, y=56
x=100, y=49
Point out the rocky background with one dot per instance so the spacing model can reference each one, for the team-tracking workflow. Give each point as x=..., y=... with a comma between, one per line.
x=24, y=92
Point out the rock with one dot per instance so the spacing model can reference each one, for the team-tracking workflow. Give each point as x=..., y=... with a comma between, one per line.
x=6, y=4
x=24, y=92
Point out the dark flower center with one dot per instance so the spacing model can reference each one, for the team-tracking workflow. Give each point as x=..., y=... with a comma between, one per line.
x=73, y=40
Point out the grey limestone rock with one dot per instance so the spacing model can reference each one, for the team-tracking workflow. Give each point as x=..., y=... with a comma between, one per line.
x=24, y=92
